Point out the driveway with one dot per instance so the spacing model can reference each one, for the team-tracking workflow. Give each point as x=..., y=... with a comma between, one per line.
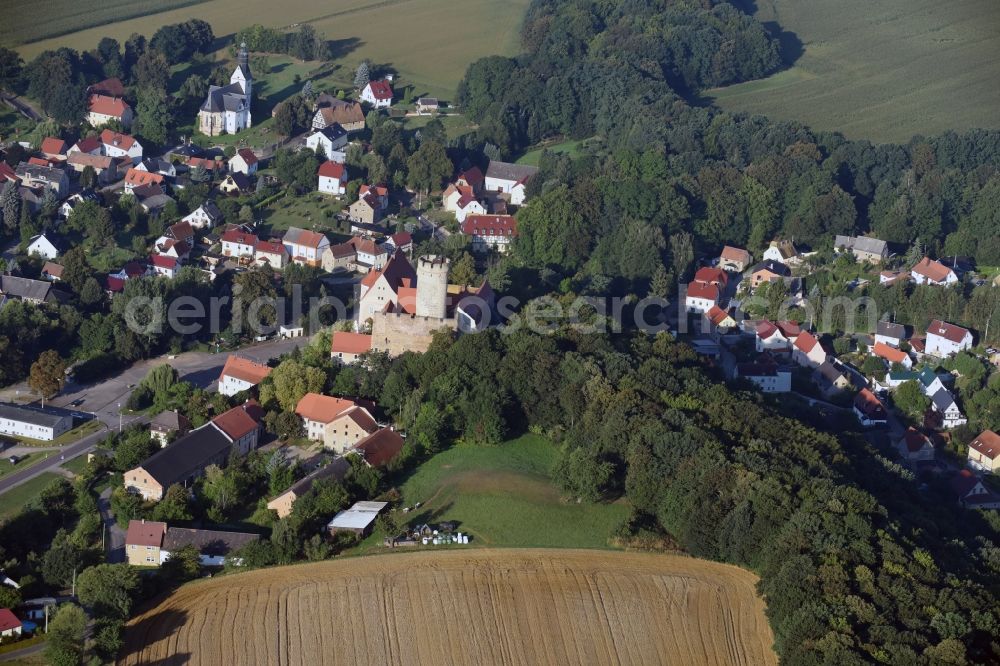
x=114, y=544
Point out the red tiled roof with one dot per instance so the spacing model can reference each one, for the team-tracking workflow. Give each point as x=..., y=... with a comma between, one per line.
x=112, y=87
x=789, y=329
x=932, y=270
x=308, y=238
x=52, y=145
x=88, y=144
x=145, y=533
x=473, y=177
x=8, y=620
x=181, y=230
x=378, y=190
x=914, y=439
x=490, y=225
x=115, y=284
x=806, y=342
x=270, y=247
x=331, y=169
x=239, y=420
x=117, y=139
x=964, y=482
x=136, y=178
x=239, y=237
x=108, y=106
x=398, y=272
x=248, y=156
x=708, y=275
x=765, y=329
x=987, y=444
x=6, y=173
x=401, y=238
x=717, y=315
x=361, y=417
x=890, y=354
x=322, y=408
x=380, y=447
x=244, y=369
x=381, y=89
x=735, y=254
x=204, y=163
x=39, y=161
x=350, y=343
x=163, y=261
x=868, y=404
x=949, y=332
x=701, y=290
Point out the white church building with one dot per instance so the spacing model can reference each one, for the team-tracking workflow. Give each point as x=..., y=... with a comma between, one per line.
x=227, y=108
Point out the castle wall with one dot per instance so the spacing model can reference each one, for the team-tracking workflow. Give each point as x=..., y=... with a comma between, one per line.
x=396, y=333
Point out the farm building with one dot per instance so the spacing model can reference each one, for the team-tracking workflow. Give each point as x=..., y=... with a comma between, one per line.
x=359, y=519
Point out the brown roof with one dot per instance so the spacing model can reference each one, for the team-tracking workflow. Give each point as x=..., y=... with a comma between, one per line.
x=947, y=331
x=890, y=354
x=117, y=139
x=700, y=290
x=735, y=254
x=53, y=146
x=245, y=369
x=380, y=447
x=987, y=444
x=932, y=270
x=361, y=416
x=108, y=106
x=708, y=275
x=915, y=440
x=112, y=87
x=717, y=315
x=135, y=177
x=322, y=408
x=868, y=404
x=239, y=420
x=98, y=162
x=806, y=342
x=331, y=169
x=350, y=343
x=53, y=269
x=145, y=533
x=343, y=112
x=398, y=272
x=248, y=156
x=381, y=89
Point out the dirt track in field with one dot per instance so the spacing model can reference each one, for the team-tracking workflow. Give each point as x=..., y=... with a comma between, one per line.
x=464, y=607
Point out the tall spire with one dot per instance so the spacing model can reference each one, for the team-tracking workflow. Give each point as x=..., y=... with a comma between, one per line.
x=243, y=60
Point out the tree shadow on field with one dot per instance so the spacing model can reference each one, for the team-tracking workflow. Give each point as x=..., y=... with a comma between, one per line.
x=789, y=44
x=155, y=628
x=341, y=47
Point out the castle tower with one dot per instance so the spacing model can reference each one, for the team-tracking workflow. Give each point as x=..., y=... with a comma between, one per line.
x=242, y=74
x=432, y=286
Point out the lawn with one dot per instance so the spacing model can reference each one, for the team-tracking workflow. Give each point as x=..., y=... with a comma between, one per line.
x=6, y=469
x=314, y=211
x=882, y=71
x=76, y=465
x=503, y=496
x=17, y=497
x=428, y=42
x=454, y=125
x=572, y=148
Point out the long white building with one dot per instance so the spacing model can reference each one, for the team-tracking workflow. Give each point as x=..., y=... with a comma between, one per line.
x=33, y=422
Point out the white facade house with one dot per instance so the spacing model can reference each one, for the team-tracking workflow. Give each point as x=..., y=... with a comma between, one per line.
x=488, y=232
x=768, y=378
x=244, y=161
x=241, y=374
x=943, y=402
x=701, y=298
x=304, y=246
x=928, y=271
x=236, y=243
x=43, y=247
x=33, y=422
x=116, y=144
x=330, y=140
x=944, y=339
x=889, y=333
x=205, y=215
x=509, y=179
x=332, y=178
x=378, y=94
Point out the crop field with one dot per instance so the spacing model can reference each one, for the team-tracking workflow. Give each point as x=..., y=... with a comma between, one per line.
x=429, y=42
x=881, y=70
x=472, y=607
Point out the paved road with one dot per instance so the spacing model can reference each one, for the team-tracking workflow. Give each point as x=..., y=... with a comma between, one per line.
x=114, y=535
x=104, y=399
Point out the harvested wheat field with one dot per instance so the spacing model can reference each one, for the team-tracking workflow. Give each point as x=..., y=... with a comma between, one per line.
x=464, y=606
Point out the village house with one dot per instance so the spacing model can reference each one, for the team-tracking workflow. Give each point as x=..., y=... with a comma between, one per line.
x=53, y=148
x=102, y=109
x=271, y=252
x=868, y=409
x=341, y=256
x=157, y=165
x=204, y=216
x=734, y=259
x=241, y=374
x=330, y=110
x=234, y=432
x=718, y=322
x=48, y=177
x=107, y=169
x=781, y=251
x=946, y=410
x=401, y=241
x=830, y=378
x=700, y=297
x=368, y=254
x=244, y=162
x=10, y=626
x=892, y=355
x=226, y=109
x=42, y=423
x=944, y=339
x=928, y=271
x=116, y=144
x=329, y=140
x=43, y=247
x=460, y=200
x=984, y=452
x=358, y=520
x=52, y=271
x=366, y=210
x=768, y=271
x=379, y=448
x=238, y=243
x=332, y=178
x=509, y=180
x=317, y=411
x=347, y=347
x=90, y=145
x=970, y=492
x=807, y=351
x=31, y=291
x=348, y=428
x=283, y=503
x=235, y=183
x=427, y=105
x=135, y=178
x=378, y=94
x=864, y=248
x=166, y=424
x=488, y=232
x=775, y=336
x=304, y=246
x=890, y=334
x=768, y=377
x=150, y=543
x=164, y=266
x=915, y=446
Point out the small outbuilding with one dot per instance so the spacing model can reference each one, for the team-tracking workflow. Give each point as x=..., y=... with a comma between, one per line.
x=359, y=519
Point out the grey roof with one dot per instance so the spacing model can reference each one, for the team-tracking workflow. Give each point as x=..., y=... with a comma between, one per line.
x=333, y=131
x=211, y=210
x=187, y=456
x=891, y=330
x=775, y=267
x=156, y=202
x=208, y=542
x=19, y=287
x=336, y=470
x=169, y=421
x=508, y=171
x=943, y=400
x=860, y=243
x=38, y=172
x=229, y=98
x=828, y=372
x=40, y=416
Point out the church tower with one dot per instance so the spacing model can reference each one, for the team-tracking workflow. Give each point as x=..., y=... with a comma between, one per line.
x=242, y=74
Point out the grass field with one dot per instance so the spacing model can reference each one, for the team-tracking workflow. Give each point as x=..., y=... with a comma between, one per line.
x=464, y=607
x=14, y=499
x=429, y=42
x=6, y=469
x=503, y=496
x=881, y=70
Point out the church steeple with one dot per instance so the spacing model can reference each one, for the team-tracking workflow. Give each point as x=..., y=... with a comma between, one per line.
x=243, y=60
x=242, y=74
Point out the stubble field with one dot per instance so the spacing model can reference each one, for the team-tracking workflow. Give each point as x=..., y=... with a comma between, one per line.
x=464, y=606
x=881, y=70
